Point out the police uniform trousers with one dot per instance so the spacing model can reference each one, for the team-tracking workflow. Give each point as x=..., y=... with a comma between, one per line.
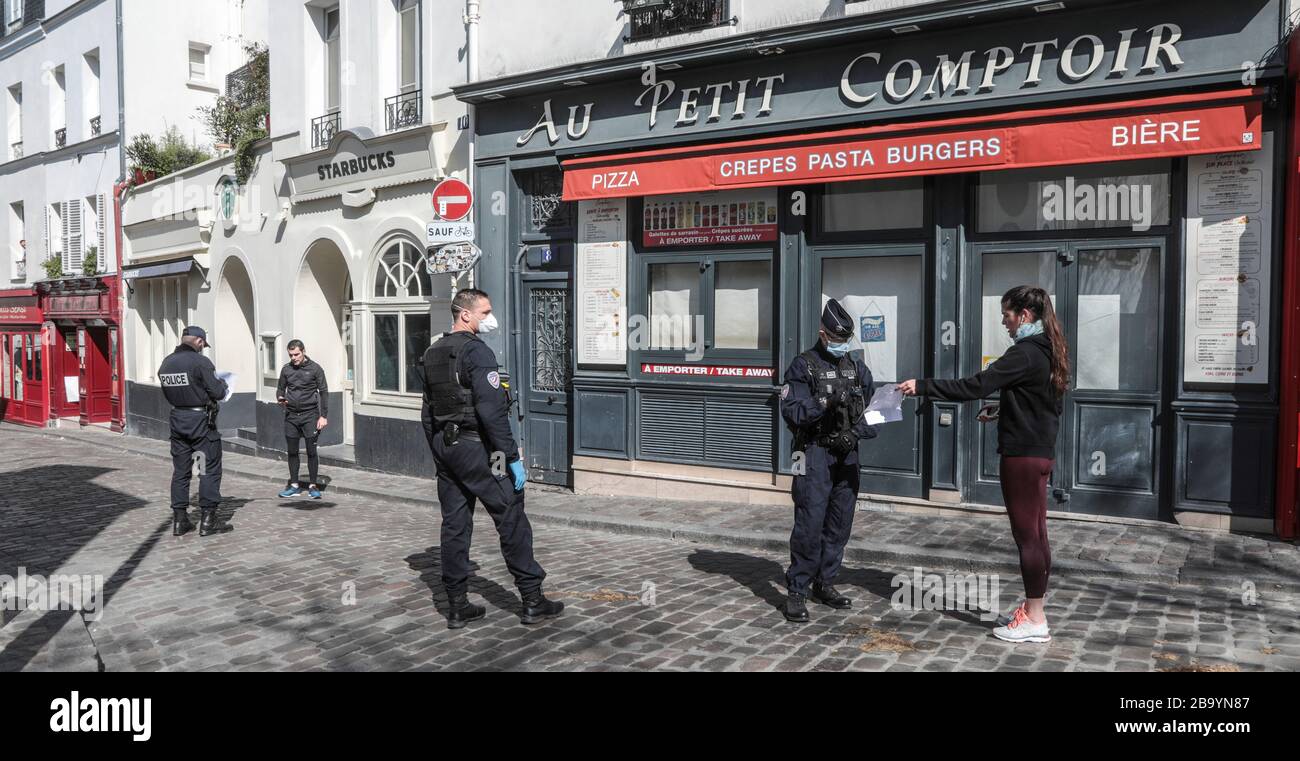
x=824, y=499
x=465, y=478
x=192, y=439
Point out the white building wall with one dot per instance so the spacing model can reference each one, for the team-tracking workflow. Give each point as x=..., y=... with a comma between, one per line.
x=87, y=166
x=526, y=35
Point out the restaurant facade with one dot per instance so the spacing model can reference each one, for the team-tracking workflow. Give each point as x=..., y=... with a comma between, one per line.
x=665, y=228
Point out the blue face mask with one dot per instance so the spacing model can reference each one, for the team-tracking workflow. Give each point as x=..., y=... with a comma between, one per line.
x=838, y=350
x=1029, y=329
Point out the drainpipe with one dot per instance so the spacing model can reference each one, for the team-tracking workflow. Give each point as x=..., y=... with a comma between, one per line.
x=119, y=189
x=472, y=17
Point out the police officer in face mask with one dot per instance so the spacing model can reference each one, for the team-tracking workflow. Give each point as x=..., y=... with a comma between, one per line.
x=191, y=386
x=824, y=402
x=466, y=419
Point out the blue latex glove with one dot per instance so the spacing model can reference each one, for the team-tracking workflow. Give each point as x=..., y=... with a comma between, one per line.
x=517, y=470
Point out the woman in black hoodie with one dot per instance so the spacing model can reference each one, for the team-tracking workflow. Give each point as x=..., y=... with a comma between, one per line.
x=1032, y=378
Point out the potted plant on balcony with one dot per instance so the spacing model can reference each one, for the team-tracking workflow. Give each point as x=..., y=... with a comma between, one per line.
x=241, y=117
x=53, y=267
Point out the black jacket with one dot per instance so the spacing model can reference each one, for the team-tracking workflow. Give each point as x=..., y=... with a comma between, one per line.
x=189, y=379
x=303, y=387
x=800, y=405
x=1030, y=410
x=478, y=371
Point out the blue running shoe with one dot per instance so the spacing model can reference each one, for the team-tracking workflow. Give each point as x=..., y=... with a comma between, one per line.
x=291, y=491
x=313, y=492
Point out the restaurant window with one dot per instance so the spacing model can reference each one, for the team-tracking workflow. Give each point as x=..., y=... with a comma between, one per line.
x=1132, y=195
x=716, y=305
x=874, y=206
x=403, y=328
x=881, y=293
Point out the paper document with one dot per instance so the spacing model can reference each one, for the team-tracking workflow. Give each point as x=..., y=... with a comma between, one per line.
x=230, y=378
x=886, y=405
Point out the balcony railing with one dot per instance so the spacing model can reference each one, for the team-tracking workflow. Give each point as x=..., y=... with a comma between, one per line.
x=239, y=85
x=401, y=111
x=651, y=19
x=324, y=127
x=61, y=138
x=16, y=150
x=94, y=126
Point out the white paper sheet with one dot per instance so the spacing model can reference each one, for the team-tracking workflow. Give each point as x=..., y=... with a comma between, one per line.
x=886, y=405
x=230, y=378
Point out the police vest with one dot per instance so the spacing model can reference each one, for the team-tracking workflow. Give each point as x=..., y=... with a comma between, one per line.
x=829, y=380
x=449, y=401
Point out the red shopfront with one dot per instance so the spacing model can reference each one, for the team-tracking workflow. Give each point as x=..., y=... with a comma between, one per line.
x=24, y=396
x=84, y=343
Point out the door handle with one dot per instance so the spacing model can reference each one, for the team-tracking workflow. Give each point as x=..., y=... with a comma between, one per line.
x=550, y=399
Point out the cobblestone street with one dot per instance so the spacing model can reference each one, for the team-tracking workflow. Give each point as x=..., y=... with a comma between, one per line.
x=352, y=582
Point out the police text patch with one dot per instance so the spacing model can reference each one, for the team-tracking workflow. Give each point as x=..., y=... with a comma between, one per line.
x=175, y=380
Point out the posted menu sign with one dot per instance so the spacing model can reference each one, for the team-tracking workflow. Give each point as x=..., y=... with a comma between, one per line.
x=602, y=282
x=1228, y=272
x=710, y=219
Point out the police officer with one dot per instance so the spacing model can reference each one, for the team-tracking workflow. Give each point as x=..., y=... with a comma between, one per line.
x=191, y=386
x=466, y=419
x=824, y=401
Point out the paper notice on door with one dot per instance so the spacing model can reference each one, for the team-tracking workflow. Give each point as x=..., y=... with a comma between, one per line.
x=71, y=388
x=230, y=378
x=886, y=405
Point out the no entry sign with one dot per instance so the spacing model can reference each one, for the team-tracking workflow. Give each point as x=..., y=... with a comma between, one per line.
x=452, y=200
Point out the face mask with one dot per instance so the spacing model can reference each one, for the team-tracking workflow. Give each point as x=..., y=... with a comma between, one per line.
x=1029, y=329
x=488, y=324
x=838, y=350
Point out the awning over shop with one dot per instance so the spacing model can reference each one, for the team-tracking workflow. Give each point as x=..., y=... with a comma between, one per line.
x=1177, y=125
x=183, y=267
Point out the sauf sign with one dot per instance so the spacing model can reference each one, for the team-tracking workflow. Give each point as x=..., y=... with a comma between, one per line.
x=887, y=76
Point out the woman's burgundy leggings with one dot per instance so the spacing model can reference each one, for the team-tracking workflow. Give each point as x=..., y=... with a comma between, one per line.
x=1024, y=489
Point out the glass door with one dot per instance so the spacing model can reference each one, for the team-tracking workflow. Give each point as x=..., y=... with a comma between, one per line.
x=1107, y=295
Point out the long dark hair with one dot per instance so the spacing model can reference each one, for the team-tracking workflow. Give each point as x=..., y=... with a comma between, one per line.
x=1039, y=305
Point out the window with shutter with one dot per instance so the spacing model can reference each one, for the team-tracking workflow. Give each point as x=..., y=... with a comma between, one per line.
x=101, y=232
x=72, y=237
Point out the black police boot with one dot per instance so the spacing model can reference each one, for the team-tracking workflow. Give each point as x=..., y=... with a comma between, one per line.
x=181, y=523
x=795, y=610
x=462, y=611
x=537, y=608
x=827, y=595
x=210, y=523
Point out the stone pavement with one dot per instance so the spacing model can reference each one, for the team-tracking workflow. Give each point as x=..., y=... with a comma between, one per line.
x=352, y=581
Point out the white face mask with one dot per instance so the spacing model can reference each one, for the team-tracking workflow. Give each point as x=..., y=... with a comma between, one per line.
x=487, y=324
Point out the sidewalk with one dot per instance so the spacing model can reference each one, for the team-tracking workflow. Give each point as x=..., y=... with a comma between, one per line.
x=1166, y=554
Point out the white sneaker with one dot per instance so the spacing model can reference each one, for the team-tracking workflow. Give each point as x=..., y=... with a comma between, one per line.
x=1021, y=629
x=1005, y=618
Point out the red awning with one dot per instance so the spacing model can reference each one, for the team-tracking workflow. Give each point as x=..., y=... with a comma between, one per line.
x=1175, y=125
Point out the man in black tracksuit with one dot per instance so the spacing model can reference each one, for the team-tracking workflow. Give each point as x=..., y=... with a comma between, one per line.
x=303, y=393
x=190, y=384
x=466, y=419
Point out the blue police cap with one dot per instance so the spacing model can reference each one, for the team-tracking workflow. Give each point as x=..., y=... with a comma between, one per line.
x=836, y=322
x=197, y=332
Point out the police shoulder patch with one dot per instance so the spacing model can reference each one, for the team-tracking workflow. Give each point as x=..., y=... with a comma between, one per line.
x=494, y=379
x=785, y=390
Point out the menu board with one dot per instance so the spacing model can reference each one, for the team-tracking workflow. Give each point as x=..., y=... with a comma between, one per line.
x=1228, y=269
x=710, y=219
x=602, y=282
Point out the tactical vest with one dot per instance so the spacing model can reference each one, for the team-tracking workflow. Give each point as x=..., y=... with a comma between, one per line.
x=449, y=401
x=828, y=380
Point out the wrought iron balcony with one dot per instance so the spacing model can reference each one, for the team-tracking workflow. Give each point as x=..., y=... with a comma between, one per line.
x=61, y=138
x=651, y=19
x=94, y=126
x=239, y=86
x=324, y=127
x=401, y=111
